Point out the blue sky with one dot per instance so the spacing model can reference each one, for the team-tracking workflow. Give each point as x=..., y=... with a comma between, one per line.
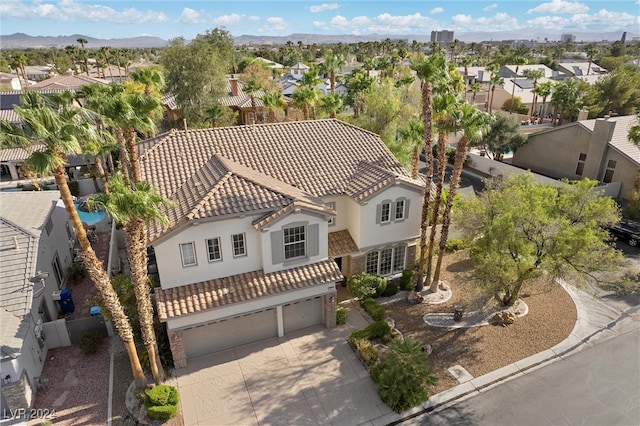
x=169, y=19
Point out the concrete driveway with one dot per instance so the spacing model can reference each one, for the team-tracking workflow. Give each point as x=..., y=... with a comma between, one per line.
x=308, y=377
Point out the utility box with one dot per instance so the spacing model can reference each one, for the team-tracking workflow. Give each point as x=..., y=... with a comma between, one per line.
x=55, y=295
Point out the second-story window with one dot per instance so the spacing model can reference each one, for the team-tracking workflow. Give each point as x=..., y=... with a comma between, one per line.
x=399, y=214
x=239, y=247
x=188, y=254
x=385, y=212
x=213, y=249
x=294, y=242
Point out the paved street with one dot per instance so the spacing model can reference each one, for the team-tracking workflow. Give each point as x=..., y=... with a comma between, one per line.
x=598, y=386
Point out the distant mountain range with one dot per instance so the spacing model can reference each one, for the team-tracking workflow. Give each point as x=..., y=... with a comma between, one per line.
x=21, y=40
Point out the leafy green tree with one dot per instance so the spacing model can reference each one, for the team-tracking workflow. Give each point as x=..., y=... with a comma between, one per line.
x=503, y=137
x=519, y=229
x=618, y=93
x=403, y=375
x=195, y=72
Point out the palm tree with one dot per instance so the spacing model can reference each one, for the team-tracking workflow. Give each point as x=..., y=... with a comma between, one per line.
x=492, y=69
x=474, y=125
x=465, y=62
x=105, y=51
x=592, y=51
x=412, y=134
x=475, y=88
x=543, y=90
x=446, y=117
x=214, y=113
x=61, y=131
x=331, y=64
x=85, y=59
x=430, y=70
x=273, y=101
x=151, y=79
x=251, y=87
x=534, y=75
x=634, y=138
x=303, y=97
x=132, y=206
x=566, y=99
x=331, y=104
x=517, y=60
x=496, y=80
x=19, y=63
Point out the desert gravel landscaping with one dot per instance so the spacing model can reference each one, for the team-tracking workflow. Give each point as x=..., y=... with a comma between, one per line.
x=480, y=350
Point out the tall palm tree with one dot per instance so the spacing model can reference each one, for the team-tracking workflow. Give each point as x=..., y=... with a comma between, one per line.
x=19, y=63
x=634, y=138
x=62, y=131
x=331, y=104
x=429, y=70
x=543, y=90
x=85, y=59
x=492, y=68
x=446, y=118
x=412, y=134
x=533, y=75
x=132, y=206
x=151, y=79
x=496, y=80
x=465, y=62
x=252, y=87
x=566, y=99
x=475, y=88
x=517, y=61
x=303, y=97
x=105, y=51
x=592, y=51
x=474, y=124
x=331, y=64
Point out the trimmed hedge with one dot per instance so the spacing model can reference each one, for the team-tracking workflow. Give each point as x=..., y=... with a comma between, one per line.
x=390, y=290
x=161, y=402
x=373, y=308
x=341, y=315
x=405, y=280
x=366, y=285
x=454, y=245
x=375, y=330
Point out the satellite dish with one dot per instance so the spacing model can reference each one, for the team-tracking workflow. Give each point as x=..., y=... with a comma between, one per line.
x=41, y=276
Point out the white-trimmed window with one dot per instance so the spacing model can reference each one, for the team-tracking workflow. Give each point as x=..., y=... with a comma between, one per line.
x=385, y=212
x=188, y=254
x=239, y=246
x=294, y=242
x=386, y=261
x=214, y=253
x=332, y=220
x=399, y=214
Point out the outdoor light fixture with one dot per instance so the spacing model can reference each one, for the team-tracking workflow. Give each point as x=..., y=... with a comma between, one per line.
x=39, y=278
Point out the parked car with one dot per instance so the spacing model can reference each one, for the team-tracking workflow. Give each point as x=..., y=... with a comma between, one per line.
x=627, y=231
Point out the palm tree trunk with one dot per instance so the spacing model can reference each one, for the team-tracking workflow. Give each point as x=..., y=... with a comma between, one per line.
x=415, y=161
x=488, y=98
x=427, y=114
x=493, y=90
x=124, y=154
x=102, y=174
x=130, y=137
x=136, y=245
x=110, y=162
x=96, y=271
x=461, y=154
x=442, y=165
x=92, y=174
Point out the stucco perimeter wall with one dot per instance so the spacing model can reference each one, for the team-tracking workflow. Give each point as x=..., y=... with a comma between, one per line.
x=497, y=168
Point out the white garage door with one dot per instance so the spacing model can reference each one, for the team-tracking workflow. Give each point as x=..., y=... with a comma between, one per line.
x=229, y=333
x=302, y=314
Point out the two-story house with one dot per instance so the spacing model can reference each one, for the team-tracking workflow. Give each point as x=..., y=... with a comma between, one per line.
x=36, y=241
x=267, y=219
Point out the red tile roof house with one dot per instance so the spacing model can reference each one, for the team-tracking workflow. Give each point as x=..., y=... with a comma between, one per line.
x=267, y=220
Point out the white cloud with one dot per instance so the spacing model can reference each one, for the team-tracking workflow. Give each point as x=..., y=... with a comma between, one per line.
x=323, y=7
x=560, y=6
x=70, y=11
x=461, y=19
x=273, y=24
x=383, y=23
x=491, y=7
x=229, y=20
x=436, y=10
x=190, y=16
x=499, y=22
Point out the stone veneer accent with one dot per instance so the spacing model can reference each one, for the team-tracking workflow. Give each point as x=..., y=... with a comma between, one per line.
x=18, y=394
x=411, y=257
x=356, y=265
x=177, y=349
x=329, y=305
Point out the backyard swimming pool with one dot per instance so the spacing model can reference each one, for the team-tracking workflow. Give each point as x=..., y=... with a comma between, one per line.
x=90, y=218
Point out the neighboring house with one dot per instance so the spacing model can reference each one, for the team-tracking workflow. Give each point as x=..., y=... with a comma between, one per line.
x=509, y=71
x=271, y=64
x=35, y=237
x=38, y=72
x=298, y=69
x=597, y=149
x=268, y=219
x=579, y=70
x=10, y=81
x=67, y=82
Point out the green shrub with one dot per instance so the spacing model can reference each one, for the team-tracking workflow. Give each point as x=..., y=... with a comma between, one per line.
x=366, y=285
x=454, y=245
x=368, y=353
x=74, y=188
x=373, y=308
x=341, y=314
x=405, y=280
x=402, y=375
x=451, y=155
x=390, y=290
x=375, y=330
x=76, y=272
x=91, y=342
x=161, y=402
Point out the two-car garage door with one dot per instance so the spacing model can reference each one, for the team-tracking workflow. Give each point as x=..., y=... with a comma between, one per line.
x=249, y=328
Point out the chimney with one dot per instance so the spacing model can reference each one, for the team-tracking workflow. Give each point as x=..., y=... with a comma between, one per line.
x=233, y=82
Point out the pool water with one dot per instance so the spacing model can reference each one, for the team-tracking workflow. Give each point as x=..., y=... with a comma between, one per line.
x=90, y=218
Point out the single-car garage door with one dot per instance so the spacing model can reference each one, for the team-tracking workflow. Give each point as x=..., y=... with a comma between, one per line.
x=229, y=333
x=302, y=314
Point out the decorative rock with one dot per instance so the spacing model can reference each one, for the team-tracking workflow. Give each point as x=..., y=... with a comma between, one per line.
x=504, y=318
x=391, y=322
x=414, y=298
x=443, y=285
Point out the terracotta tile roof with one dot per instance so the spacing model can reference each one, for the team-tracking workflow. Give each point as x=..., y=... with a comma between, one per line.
x=620, y=137
x=202, y=296
x=341, y=243
x=169, y=100
x=320, y=157
x=67, y=82
x=9, y=115
x=223, y=187
x=19, y=154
